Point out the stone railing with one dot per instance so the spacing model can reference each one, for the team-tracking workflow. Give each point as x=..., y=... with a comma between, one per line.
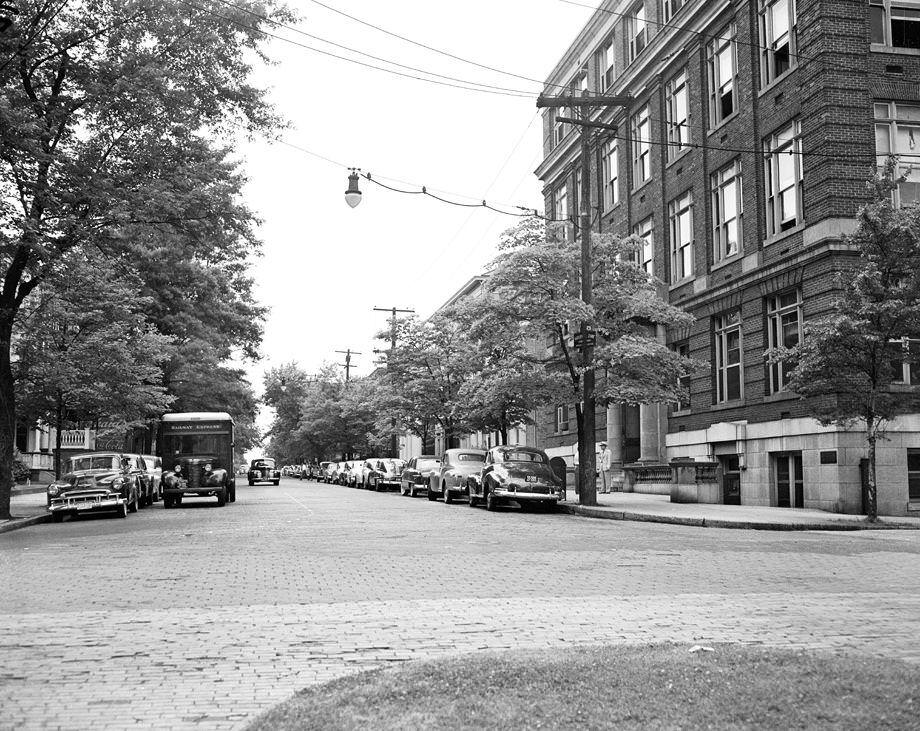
x=685, y=481
x=76, y=439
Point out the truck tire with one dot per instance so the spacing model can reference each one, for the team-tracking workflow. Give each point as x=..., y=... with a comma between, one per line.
x=222, y=497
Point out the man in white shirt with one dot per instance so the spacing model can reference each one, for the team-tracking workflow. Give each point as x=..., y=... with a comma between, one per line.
x=605, y=463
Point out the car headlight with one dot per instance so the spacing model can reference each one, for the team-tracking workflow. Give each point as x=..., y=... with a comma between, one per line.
x=54, y=490
x=207, y=467
x=177, y=468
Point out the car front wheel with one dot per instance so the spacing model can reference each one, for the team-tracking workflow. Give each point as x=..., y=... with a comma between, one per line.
x=491, y=502
x=448, y=498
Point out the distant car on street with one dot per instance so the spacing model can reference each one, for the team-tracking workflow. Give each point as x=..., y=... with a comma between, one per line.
x=263, y=469
x=326, y=470
x=354, y=473
x=457, y=465
x=153, y=467
x=96, y=482
x=515, y=475
x=416, y=473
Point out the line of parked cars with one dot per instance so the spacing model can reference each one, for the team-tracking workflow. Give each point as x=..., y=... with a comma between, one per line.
x=106, y=482
x=509, y=475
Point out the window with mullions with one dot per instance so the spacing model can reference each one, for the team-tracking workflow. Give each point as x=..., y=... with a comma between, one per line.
x=683, y=350
x=721, y=57
x=895, y=23
x=905, y=361
x=671, y=7
x=784, y=330
x=678, y=111
x=729, y=368
x=605, y=70
x=783, y=173
x=636, y=30
x=727, y=210
x=560, y=130
x=913, y=475
x=645, y=254
x=610, y=165
x=562, y=418
x=680, y=217
x=777, y=38
x=897, y=132
x=561, y=203
x=640, y=142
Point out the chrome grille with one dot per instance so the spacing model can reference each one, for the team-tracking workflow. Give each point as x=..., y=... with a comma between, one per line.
x=194, y=475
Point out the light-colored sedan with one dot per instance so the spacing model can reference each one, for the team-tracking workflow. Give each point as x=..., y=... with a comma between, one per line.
x=457, y=466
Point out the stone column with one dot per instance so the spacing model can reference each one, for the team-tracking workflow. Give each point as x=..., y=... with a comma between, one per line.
x=615, y=443
x=648, y=433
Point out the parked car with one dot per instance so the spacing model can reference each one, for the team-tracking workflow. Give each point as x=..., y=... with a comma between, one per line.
x=457, y=465
x=514, y=476
x=415, y=475
x=96, y=482
x=153, y=468
x=327, y=469
x=263, y=470
x=382, y=474
x=354, y=473
x=334, y=472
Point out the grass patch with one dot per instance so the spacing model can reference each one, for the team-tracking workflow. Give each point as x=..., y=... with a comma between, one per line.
x=661, y=687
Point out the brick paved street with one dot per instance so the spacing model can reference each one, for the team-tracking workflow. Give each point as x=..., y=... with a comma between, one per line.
x=202, y=617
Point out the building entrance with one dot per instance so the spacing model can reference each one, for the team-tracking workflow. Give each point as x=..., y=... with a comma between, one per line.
x=790, y=485
x=731, y=479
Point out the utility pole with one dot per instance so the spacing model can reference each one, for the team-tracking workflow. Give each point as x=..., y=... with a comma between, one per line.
x=347, y=364
x=583, y=106
x=394, y=446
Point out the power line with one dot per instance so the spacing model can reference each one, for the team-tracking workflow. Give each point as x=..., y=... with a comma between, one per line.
x=367, y=55
x=518, y=95
x=432, y=48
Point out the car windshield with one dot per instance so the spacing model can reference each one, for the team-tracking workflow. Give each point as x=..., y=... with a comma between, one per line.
x=94, y=462
x=263, y=463
x=523, y=457
x=426, y=464
x=471, y=457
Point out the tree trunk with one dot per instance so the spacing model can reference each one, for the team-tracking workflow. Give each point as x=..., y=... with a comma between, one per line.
x=871, y=492
x=58, y=436
x=503, y=430
x=7, y=413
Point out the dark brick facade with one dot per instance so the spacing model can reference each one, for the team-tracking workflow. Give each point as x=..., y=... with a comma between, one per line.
x=829, y=89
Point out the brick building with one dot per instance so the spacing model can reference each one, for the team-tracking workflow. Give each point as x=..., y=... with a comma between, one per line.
x=741, y=160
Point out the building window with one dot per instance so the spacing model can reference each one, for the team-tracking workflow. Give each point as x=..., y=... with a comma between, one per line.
x=579, y=84
x=783, y=173
x=905, y=361
x=640, y=132
x=605, y=70
x=895, y=23
x=559, y=128
x=722, y=72
x=683, y=350
x=680, y=216
x=645, y=254
x=790, y=483
x=562, y=418
x=671, y=7
x=777, y=38
x=729, y=370
x=897, y=132
x=611, y=172
x=561, y=203
x=913, y=475
x=678, y=112
x=727, y=209
x=784, y=330
x=636, y=30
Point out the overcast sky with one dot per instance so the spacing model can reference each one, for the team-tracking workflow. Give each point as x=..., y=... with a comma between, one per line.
x=326, y=266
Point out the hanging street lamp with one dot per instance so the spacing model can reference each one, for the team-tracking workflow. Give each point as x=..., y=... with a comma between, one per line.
x=353, y=194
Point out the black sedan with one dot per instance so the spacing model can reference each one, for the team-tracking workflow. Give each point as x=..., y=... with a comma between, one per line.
x=515, y=476
x=415, y=476
x=263, y=470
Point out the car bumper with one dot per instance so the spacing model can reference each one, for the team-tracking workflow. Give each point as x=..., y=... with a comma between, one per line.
x=519, y=495
x=86, y=505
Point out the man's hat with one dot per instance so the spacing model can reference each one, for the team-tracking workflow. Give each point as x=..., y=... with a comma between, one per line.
x=603, y=444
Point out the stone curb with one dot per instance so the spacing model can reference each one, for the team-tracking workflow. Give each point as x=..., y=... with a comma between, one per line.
x=608, y=514
x=17, y=523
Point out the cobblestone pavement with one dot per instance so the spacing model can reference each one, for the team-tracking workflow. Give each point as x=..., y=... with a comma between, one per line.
x=203, y=617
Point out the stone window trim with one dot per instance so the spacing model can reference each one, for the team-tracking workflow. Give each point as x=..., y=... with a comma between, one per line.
x=680, y=237
x=722, y=75
x=780, y=307
x=728, y=342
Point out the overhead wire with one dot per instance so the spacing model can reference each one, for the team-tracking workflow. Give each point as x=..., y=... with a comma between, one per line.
x=304, y=33
x=520, y=95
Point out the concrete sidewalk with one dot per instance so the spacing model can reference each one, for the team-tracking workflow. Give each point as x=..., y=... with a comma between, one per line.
x=28, y=507
x=660, y=509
